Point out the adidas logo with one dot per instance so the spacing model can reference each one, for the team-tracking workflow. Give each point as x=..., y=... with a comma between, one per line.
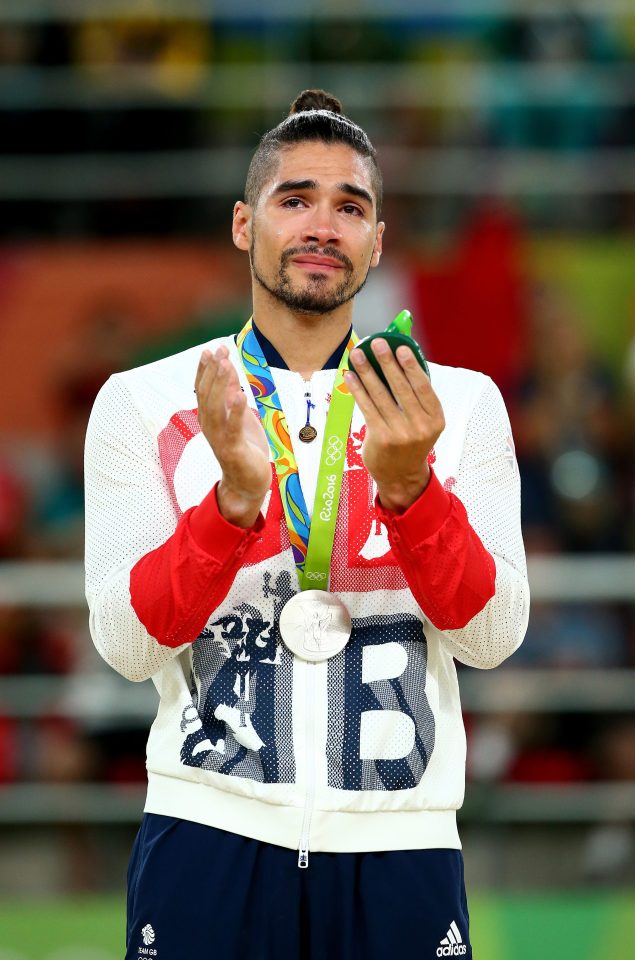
x=452, y=944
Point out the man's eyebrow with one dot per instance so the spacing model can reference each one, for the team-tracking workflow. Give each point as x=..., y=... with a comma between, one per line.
x=289, y=186
x=356, y=192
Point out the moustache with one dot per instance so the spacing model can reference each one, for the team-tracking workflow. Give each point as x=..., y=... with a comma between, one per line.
x=313, y=251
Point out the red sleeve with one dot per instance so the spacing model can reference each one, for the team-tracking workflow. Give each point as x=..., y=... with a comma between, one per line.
x=175, y=588
x=450, y=573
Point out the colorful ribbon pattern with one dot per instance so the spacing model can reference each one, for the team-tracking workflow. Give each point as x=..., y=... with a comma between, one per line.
x=274, y=422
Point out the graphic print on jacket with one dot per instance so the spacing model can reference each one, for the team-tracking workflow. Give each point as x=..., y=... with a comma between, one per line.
x=381, y=728
x=239, y=722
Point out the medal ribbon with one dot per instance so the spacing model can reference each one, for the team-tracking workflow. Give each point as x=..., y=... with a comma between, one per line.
x=311, y=542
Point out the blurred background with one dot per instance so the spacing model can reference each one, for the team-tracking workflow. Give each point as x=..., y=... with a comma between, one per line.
x=506, y=132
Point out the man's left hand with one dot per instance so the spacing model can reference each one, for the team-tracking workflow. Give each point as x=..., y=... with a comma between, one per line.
x=402, y=424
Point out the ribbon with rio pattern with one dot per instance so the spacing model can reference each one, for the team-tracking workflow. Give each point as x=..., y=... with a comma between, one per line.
x=311, y=542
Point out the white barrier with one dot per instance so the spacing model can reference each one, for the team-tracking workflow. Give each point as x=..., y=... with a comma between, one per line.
x=115, y=702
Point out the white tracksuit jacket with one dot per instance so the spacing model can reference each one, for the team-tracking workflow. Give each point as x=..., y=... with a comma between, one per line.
x=365, y=751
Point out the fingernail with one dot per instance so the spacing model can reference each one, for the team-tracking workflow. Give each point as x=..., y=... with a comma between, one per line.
x=380, y=346
x=358, y=358
x=405, y=354
x=349, y=377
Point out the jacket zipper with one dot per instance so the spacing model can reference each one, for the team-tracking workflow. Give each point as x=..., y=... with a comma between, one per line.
x=303, y=852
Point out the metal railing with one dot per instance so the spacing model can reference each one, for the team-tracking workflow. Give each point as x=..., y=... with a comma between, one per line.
x=25, y=804
x=582, y=579
x=101, y=699
x=221, y=171
x=236, y=87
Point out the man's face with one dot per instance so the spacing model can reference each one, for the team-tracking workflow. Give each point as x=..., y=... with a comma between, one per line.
x=313, y=234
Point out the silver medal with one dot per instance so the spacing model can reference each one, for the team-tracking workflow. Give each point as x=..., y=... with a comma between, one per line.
x=315, y=625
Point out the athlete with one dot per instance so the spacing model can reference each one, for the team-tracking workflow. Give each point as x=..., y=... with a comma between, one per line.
x=296, y=556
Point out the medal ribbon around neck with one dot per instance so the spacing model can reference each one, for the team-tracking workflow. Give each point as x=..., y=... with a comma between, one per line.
x=311, y=542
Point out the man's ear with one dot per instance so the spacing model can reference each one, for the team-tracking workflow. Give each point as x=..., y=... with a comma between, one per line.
x=241, y=225
x=377, y=249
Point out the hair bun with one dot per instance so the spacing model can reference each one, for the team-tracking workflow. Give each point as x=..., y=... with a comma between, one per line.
x=315, y=100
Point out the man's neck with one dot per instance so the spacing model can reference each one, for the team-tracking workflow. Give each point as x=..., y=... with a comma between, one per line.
x=304, y=342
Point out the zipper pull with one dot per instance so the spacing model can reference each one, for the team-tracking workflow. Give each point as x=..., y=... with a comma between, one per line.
x=303, y=856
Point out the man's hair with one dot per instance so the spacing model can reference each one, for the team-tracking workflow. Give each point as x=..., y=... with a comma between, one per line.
x=313, y=115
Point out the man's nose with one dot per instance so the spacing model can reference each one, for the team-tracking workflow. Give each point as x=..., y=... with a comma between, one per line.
x=320, y=228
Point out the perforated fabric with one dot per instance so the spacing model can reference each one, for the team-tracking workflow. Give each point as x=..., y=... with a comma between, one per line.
x=247, y=737
x=482, y=485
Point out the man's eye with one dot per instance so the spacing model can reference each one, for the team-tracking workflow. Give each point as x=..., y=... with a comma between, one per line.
x=353, y=209
x=292, y=202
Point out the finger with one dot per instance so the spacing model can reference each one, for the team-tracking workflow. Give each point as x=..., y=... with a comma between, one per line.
x=200, y=370
x=208, y=363
x=223, y=390
x=413, y=370
x=408, y=381
x=212, y=405
x=379, y=394
x=418, y=380
x=226, y=380
x=233, y=389
x=233, y=380
x=218, y=367
x=216, y=399
x=373, y=417
x=400, y=386
x=205, y=384
x=237, y=409
x=234, y=421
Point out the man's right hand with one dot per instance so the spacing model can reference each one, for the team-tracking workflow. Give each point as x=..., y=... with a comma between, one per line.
x=236, y=437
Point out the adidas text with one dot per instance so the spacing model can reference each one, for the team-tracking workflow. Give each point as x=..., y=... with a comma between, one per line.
x=452, y=950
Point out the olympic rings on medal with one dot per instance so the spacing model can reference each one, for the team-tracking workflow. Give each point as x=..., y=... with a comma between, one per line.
x=333, y=450
x=315, y=575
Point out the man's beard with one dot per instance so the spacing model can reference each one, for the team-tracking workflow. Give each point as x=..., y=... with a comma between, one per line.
x=312, y=299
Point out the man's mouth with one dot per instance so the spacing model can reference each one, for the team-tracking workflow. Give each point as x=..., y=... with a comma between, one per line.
x=315, y=263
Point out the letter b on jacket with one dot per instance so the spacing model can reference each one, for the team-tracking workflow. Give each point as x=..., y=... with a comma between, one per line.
x=381, y=728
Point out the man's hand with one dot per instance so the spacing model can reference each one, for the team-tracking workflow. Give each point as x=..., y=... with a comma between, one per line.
x=235, y=435
x=400, y=429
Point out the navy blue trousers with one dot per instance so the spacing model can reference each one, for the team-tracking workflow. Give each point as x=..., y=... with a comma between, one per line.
x=197, y=893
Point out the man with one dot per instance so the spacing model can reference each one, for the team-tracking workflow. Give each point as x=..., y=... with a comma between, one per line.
x=300, y=618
